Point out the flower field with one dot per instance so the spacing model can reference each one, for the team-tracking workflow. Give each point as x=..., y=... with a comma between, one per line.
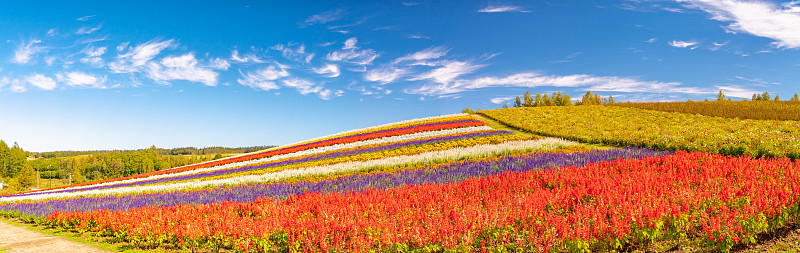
x=453, y=184
x=621, y=126
x=765, y=110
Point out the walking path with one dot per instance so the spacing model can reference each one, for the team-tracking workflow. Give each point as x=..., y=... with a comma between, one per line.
x=19, y=239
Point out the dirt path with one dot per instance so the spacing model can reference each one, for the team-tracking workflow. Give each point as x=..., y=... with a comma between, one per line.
x=18, y=239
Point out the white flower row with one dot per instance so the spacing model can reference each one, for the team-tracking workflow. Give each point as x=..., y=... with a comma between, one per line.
x=433, y=156
x=389, y=139
x=335, y=135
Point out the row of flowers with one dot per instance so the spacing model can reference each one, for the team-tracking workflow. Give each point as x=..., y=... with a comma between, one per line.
x=451, y=172
x=437, y=123
x=303, y=156
x=431, y=157
x=603, y=206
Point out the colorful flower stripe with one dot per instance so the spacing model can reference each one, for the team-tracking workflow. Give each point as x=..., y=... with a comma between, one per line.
x=347, y=167
x=602, y=207
x=451, y=172
x=300, y=162
x=290, y=149
x=301, y=154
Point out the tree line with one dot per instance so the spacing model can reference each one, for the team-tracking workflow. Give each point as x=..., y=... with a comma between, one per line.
x=21, y=169
x=555, y=99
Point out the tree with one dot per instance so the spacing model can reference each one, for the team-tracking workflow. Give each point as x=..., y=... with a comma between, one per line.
x=795, y=98
x=505, y=106
x=538, y=101
x=527, y=99
x=26, y=178
x=547, y=101
x=777, y=98
x=755, y=97
x=610, y=99
x=721, y=96
x=517, y=102
x=765, y=96
x=467, y=110
x=77, y=176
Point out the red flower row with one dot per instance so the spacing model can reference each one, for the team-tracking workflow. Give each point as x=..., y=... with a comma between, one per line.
x=602, y=206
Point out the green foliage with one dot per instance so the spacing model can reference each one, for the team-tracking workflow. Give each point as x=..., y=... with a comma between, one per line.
x=721, y=96
x=467, y=110
x=760, y=110
x=518, y=102
x=795, y=98
x=528, y=100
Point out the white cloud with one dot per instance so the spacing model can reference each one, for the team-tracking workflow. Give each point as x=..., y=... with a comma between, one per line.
x=51, y=32
x=181, y=68
x=427, y=54
x=219, y=63
x=411, y=3
x=325, y=17
x=500, y=100
x=122, y=46
x=264, y=79
x=330, y=69
x=247, y=58
x=759, y=18
x=80, y=79
x=533, y=79
x=716, y=46
x=450, y=71
x=41, y=81
x=26, y=51
x=651, y=40
x=135, y=58
x=93, y=56
x=303, y=86
x=16, y=85
x=683, y=44
x=84, y=18
x=89, y=30
x=350, y=43
x=297, y=54
x=384, y=75
x=351, y=54
x=503, y=8
x=737, y=91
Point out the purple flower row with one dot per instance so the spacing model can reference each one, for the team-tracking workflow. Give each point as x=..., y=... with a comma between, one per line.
x=285, y=162
x=435, y=174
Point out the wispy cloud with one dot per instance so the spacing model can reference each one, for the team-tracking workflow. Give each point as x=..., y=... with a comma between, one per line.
x=89, y=30
x=534, y=79
x=41, y=81
x=93, y=56
x=418, y=36
x=651, y=40
x=683, y=44
x=448, y=72
x=502, y=8
x=307, y=87
x=716, y=46
x=330, y=70
x=27, y=50
x=759, y=18
x=385, y=74
x=569, y=58
x=248, y=58
x=15, y=85
x=219, y=63
x=737, y=91
x=85, y=18
x=80, y=79
x=426, y=54
x=182, y=67
x=297, y=54
x=500, y=100
x=411, y=3
x=325, y=17
x=264, y=79
x=350, y=53
x=131, y=60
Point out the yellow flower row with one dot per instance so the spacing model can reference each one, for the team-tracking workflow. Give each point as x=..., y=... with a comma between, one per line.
x=410, y=150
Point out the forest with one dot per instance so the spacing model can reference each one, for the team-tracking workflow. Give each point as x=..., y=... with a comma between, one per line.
x=20, y=168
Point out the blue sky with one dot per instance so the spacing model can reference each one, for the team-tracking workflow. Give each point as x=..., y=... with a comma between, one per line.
x=127, y=75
